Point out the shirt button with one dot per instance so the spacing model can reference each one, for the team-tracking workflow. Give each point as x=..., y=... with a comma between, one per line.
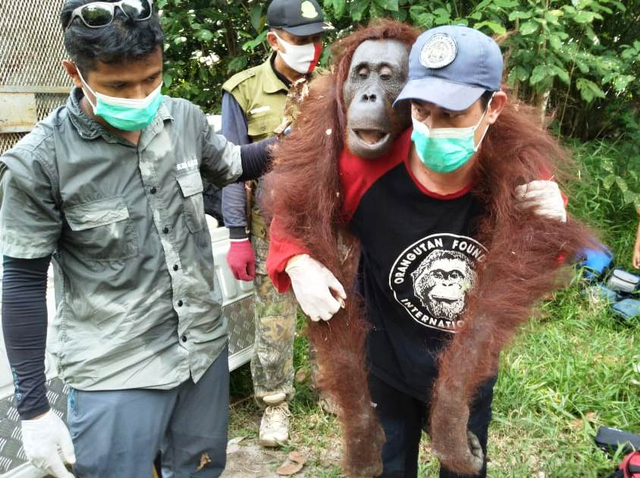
x=184, y=338
x=175, y=268
x=154, y=190
x=180, y=303
x=165, y=230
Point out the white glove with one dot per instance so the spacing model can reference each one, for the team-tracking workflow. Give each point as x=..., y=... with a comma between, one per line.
x=544, y=197
x=48, y=444
x=315, y=287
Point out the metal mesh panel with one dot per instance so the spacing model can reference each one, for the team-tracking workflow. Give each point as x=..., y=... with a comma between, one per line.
x=45, y=104
x=31, y=45
x=8, y=141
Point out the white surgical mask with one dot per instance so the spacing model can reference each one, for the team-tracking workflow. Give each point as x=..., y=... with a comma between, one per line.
x=301, y=58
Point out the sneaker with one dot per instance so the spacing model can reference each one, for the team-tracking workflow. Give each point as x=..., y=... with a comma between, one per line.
x=274, y=427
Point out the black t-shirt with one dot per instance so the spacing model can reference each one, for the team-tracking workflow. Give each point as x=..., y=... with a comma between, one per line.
x=418, y=260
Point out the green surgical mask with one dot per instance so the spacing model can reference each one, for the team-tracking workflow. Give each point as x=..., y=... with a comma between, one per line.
x=445, y=150
x=123, y=113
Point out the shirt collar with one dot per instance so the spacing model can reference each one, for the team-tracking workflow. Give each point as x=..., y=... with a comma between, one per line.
x=88, y=128
x=271, y=83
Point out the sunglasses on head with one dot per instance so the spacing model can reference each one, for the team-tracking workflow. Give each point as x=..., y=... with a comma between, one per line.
x=101, y=14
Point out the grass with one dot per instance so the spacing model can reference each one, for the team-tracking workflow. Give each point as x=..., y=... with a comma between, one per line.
x=573, y=368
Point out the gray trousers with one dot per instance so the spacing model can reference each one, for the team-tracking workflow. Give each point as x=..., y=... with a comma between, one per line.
x=119, y=433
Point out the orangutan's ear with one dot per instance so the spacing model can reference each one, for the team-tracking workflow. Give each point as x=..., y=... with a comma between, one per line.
x=497, y=104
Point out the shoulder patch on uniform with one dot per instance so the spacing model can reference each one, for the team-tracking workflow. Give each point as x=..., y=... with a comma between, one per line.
x=238, y=78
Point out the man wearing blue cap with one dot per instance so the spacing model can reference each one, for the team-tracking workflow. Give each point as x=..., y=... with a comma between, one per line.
x=417, y=213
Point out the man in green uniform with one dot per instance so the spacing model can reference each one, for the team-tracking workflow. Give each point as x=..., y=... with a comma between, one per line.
x=258, y=103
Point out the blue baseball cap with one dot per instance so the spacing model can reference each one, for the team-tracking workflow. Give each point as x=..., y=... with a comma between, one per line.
x=452, y=66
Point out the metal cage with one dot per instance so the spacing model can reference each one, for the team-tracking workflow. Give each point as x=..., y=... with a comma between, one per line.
x=32, y=80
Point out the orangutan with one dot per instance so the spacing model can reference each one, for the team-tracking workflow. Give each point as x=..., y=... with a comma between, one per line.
x=348, y=137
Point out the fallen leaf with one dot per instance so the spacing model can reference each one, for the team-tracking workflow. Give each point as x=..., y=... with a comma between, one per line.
x=591, y=416
x=289, y=468
x=293, y=464
x=204, y=461
x=297, y=457
x=301, y=375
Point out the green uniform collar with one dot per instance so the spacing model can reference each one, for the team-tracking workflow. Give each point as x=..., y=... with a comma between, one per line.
x=270, y=82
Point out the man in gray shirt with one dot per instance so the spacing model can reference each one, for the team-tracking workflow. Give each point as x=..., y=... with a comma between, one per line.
x=110, y=186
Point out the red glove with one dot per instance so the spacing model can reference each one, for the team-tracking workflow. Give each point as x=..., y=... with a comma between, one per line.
x=242, y=260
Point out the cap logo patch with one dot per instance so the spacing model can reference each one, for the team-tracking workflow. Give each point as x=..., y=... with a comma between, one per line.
x=438, y=51
x=308, y=10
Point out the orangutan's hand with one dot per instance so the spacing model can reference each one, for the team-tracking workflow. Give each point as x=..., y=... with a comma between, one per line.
x=457, y=448
x=544, y=197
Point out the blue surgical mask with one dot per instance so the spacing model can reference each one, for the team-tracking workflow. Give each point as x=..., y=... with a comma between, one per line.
x=123, y=113
x=445, y=150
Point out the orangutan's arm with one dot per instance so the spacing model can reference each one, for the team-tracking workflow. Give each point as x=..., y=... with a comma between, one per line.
x=281, y=250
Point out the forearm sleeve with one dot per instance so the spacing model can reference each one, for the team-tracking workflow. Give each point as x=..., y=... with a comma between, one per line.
x=256, y=158
x=24, y=324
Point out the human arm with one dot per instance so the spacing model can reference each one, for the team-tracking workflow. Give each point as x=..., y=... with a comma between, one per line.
x=241, y=258
x=224, y=162
x=24, y=326
x=30, y=226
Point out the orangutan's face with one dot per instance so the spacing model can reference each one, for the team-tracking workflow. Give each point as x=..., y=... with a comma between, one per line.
x=377, y=75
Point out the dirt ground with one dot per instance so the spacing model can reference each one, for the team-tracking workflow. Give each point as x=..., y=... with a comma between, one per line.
x=248, y=459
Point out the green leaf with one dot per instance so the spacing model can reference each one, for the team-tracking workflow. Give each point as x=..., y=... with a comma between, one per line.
x=494, y=27
x=622, y=184
x=204, y=35
x=506, y=3
x=339, y=7
x=528, y=28
x=584, y=17
x=620, y=83
x=167, y=80
x=251, y=44
x=589, y=90
x=538, y=74
x=391, y=5
x=620, y=6
x=236, y=64
x=630, y=197
x=608, y=181
x=358, y=8
x=255, y=16
x=522, y=73
x=555, y=42
x=519, y=15
x=561, y=73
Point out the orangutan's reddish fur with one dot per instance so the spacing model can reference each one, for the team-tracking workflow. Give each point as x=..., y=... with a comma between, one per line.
x=303, y=191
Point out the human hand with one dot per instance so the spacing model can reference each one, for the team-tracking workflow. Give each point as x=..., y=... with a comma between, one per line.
x=636, y=255
x=315, y=288
x=47, y=444
x=241, y=259
x=544, y=197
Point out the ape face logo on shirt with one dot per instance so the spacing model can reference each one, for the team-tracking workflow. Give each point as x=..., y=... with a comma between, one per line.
x=430, y=279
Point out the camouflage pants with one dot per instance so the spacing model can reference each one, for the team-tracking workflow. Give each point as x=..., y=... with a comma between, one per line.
x=275, y=319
